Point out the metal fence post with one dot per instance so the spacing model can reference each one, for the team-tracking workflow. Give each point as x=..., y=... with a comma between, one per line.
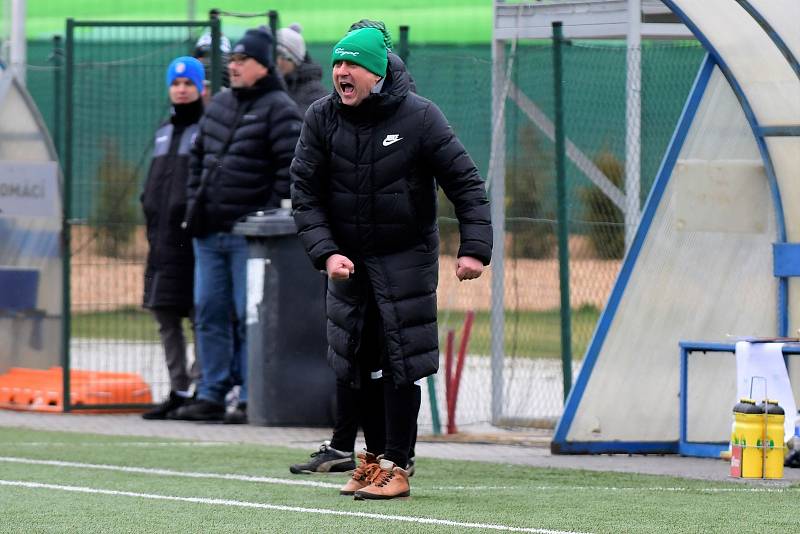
x=633, y=120
x=57, y=57
x=563, y=220
x=402, y=46
x=66, y=230
x=216, y=54
x=273, y=26
x=72, y=158
x=497, y=193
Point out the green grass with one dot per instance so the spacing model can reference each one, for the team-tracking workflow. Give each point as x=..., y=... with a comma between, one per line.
x=133, y=324
x=458, y=491
x=528, y=333
x=533, y=334
x=443, y=21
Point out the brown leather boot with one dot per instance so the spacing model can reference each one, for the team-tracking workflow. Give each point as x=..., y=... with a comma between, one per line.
x=388, y=483
x=367, y=466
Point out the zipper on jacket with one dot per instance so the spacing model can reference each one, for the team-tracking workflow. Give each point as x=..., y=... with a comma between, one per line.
x=358, y=189
x=373, y=229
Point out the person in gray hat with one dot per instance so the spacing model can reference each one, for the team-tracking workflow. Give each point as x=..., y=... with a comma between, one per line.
x=240, y=164
x=302, y=75
x=202, y=51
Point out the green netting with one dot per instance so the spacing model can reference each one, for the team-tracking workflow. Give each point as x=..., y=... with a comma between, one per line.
x=595, y=124
x=120, y=98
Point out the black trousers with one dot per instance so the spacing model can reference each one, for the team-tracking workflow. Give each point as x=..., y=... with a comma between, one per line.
x=354, y=405
x=386, y=413
x=170, y=329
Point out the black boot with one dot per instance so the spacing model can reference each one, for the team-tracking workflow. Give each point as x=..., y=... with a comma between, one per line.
x=173, y=402
x=199, y=410
x=238, y=416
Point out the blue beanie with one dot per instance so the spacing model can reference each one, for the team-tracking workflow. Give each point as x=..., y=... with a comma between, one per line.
x=186, y=67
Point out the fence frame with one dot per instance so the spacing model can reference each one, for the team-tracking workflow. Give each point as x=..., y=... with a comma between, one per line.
x=214, y=26
x=579, y=19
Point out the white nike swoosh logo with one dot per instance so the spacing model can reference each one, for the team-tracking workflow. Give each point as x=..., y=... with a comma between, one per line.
x=391, y=140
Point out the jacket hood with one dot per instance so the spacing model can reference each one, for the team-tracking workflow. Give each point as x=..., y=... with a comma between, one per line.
x=396, y=87
x=305, y=72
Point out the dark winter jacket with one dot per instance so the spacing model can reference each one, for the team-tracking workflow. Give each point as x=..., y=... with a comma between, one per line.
x=253, y=172
x=364, y=185
x=170, y=262
x=305, y=84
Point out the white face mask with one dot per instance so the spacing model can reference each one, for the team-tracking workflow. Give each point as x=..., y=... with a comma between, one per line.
x=378, y=86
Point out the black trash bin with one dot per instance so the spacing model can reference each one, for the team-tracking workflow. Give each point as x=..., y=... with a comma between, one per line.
x=289, y=380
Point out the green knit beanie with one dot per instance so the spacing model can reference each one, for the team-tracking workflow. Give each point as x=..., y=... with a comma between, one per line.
x=363, y=47
x=378, y=25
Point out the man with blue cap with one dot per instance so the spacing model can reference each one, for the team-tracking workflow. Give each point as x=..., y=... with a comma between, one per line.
x=169, y=270
x=364, y=193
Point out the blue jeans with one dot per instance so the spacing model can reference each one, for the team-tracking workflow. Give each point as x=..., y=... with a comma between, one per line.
x=220, y=290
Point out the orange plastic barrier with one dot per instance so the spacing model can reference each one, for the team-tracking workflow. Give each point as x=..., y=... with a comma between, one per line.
x=42, y=389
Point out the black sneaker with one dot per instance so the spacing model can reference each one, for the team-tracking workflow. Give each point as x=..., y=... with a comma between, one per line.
x=199, y=410
x=237, y=416
x=326, y=460
x=793, y=459
x=411, y=467
x=173, y=402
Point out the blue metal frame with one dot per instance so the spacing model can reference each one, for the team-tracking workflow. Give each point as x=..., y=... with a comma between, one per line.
x=786, y=259
x=703, y=449
x=685, y=448
x=772, y=34
x=783, y=285
x=779, y=131
x=614, y=447
x=560, y=443
x=712, y=59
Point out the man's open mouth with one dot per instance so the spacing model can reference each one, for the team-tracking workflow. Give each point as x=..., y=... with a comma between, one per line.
x=347, y=88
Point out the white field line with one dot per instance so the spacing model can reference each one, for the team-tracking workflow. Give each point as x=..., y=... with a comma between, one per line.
x=311, y=483
x=620, y=489
x=266, y=506
x=144, y=444
x=169, y=472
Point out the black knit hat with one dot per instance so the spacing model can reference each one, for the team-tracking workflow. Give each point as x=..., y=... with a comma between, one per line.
x=257, y=44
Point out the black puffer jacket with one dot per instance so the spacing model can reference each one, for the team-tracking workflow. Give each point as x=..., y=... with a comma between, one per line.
x=253, y=173
x=364, y=185
x=305, y=84
x=170, y=261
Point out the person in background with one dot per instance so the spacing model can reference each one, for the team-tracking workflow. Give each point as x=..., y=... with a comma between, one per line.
x=364, y=182
x=303, y=77
x=168, y=276
x=202, y=51
x=240, y=164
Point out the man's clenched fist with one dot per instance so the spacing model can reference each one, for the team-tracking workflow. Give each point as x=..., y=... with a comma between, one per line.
x=468, y=268
x=339, y=267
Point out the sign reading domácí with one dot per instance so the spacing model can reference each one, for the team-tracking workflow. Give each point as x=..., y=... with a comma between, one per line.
x=29, y=189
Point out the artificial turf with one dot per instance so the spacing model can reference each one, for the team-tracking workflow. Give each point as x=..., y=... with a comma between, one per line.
x=483, y=493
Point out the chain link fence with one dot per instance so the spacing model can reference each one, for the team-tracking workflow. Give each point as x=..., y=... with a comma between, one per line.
x=119, y=100
x=114, y=99
x=459, y=80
